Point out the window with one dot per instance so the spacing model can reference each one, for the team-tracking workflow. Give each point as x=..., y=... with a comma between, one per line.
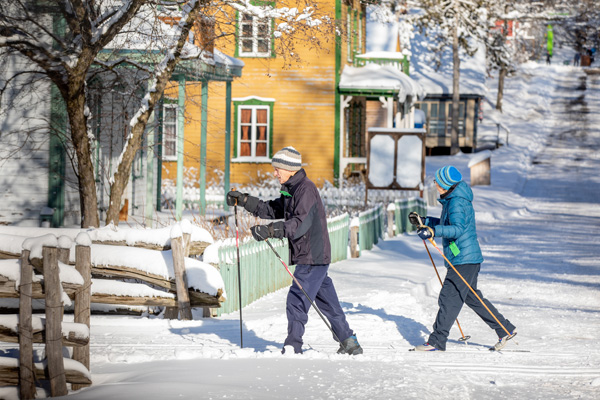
x=254, y=36
x=169, y=132
x=254, y=121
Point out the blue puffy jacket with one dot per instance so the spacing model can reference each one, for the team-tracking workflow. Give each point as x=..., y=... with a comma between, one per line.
x=457, y=224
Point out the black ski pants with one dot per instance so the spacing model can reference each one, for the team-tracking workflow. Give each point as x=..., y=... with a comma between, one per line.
x=453, y=295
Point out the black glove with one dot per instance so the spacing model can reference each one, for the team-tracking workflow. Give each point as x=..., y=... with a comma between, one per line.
x=250, y=203
x=273, y=230
x=425, y=232
x=413, y=217
x=237, y=198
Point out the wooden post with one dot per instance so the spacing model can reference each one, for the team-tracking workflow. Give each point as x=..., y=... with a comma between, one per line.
x=63, y=255
x=354, y=252
x=178, y=248
x=83, y=265
x=26, y=374
x=390, y=221
x=54, y=310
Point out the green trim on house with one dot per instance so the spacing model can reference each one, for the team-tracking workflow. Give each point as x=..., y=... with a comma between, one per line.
x=354, y=36
x=159, y=156
x=252, y=102
x=227, y=168
x=258, y=3
x=203, y=145
x=57, y=159
x=180, y=149
x=368, y=92
x=338, y=73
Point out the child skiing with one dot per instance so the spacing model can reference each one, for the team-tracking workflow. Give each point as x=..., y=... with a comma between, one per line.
x=456, y=227
x=305, y=226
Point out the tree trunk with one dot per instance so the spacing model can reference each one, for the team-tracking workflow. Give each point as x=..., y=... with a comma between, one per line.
x=501, y=77
x=454, y=147
x=134, y=140
x=85, y=166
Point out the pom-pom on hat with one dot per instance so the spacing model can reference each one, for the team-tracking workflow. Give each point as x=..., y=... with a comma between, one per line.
x=447, y=177
x=287, y=158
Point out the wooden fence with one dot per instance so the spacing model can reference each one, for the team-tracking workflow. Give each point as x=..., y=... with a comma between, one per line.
x=26, y=329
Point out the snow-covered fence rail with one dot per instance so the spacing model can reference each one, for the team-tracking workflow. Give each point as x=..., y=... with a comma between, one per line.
x=11, y=237
x=26, y=329
x=131, y=258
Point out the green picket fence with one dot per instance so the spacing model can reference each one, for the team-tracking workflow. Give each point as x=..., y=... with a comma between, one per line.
x=338, y=229
x=403, y=208
x=371, y=227
x=262, y=272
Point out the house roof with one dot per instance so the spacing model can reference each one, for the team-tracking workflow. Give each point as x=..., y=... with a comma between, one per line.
x=373, y=77
x=147, y=39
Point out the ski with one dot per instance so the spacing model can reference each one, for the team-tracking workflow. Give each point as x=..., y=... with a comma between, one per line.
x=475, y=350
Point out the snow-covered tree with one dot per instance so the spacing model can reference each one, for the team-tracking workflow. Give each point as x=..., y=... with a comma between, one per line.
x=500, y=53
x=63, y=41
x=458, y=24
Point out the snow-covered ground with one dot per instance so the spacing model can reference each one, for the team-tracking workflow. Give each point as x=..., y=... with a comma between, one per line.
x=538, y=225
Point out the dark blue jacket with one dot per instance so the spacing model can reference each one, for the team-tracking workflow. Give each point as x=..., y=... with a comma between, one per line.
x=305, y=225
x=457, y=224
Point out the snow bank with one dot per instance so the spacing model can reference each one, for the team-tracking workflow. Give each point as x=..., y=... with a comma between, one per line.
x=109, y=233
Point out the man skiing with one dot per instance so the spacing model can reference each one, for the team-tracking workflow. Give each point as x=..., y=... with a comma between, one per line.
x=305, y=226
x=456, y=227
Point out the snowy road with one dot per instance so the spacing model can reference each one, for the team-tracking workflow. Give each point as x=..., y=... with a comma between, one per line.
x=538, y=225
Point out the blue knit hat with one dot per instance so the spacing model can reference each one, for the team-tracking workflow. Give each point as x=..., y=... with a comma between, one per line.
x=447, y=177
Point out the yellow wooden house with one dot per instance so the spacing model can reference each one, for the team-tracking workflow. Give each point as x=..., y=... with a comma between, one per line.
x=322, y=105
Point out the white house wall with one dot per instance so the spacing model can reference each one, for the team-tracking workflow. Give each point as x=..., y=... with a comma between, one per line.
x=24, y=116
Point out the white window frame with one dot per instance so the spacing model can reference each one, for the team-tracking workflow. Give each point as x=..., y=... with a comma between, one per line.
x=253, y=134
x=255, y=23
x=164, y=137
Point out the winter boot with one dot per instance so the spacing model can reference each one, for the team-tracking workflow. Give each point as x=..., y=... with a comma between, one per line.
x=503, y=341
x=426, y=347
x=350, y=346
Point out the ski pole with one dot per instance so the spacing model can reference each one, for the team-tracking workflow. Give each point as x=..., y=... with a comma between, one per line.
x=463, y=338
x=469, y=286
x=237, y=245
x=303, y=291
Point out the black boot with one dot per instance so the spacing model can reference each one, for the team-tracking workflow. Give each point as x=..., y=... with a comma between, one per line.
x=350, y=346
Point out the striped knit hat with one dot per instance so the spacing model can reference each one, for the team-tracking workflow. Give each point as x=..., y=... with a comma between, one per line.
x=447, y=177
x=287, y=158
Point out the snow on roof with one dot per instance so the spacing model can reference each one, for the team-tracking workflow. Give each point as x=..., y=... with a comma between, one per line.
x=378, y=77
x=439, y=82
x=147, y=33
x=391, y=55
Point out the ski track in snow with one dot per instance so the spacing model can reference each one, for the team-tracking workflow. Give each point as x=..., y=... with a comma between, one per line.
x=538, y=226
